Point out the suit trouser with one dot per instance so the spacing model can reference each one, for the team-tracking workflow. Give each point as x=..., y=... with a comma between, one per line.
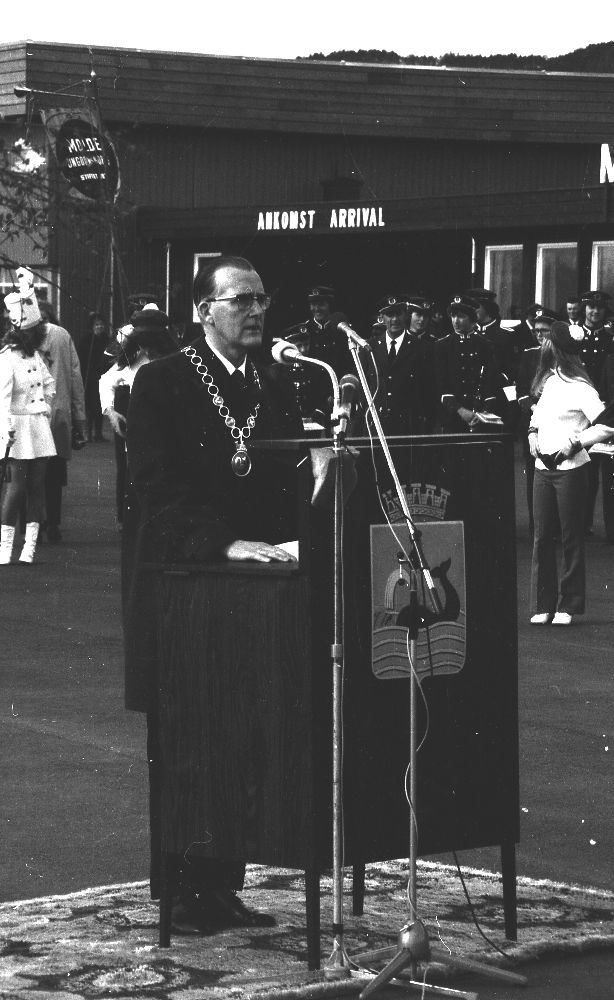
x=195, y=872
x=559, y=498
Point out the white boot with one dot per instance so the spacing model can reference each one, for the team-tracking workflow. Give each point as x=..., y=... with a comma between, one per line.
x=7, y=537
x=29, y=545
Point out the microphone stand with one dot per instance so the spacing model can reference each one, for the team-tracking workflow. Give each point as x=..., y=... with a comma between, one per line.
x=421, y=566
x=413, y=944
x=338, y=965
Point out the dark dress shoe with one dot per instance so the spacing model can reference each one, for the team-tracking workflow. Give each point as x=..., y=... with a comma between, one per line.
x=54, y=535
x=226, y=910
x=188, y=916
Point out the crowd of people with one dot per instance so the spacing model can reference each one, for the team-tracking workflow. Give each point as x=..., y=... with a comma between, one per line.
x=430, y=371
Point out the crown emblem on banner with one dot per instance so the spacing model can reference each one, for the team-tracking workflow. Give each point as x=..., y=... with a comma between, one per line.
x=426, y=502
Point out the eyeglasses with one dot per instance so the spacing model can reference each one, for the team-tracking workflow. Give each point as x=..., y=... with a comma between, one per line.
x=244, y=300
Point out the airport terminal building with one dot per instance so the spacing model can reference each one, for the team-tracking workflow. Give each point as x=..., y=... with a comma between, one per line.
x=364, y=177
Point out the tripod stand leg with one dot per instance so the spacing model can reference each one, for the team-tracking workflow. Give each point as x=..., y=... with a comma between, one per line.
x=481, y=968
x=399, y=962
x=413, y=947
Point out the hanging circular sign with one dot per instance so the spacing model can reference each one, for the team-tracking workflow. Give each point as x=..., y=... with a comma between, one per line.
x=87, y=159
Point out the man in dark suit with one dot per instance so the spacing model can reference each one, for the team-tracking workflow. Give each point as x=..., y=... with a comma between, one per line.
x=466, y=370
x=403, y=382
x=204, y=495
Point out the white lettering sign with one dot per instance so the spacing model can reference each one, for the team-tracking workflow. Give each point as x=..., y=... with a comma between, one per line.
x=291, y=219
x=607, y=167
x=361, y=217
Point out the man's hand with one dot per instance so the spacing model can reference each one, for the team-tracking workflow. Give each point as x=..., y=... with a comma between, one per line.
x=468, y=416
x=242, y=551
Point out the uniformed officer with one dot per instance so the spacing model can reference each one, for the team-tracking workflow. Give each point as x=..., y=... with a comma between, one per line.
x=527, y=367
x=419, y=310
x=312, y=386
x=466, y=370
x=597, y=344
x=489, y=326
x=502, y=341
x=325, y=341
x=403, y=378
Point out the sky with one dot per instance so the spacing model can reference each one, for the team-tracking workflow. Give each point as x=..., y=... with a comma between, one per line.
x=276, y=29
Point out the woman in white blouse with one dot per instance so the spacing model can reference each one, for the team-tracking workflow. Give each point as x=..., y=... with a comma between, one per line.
x=563, y=425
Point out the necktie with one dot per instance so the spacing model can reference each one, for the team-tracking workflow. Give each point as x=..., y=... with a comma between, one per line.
x=392, y=353
x=237, y=400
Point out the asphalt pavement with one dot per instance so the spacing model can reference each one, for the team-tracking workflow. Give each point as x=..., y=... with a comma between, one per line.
x=73, y=809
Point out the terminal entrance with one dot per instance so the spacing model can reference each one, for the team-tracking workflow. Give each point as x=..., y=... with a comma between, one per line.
x=361, y=268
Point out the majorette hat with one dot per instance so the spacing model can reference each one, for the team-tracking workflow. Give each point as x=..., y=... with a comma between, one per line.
x=149, y=320
x=22, y=306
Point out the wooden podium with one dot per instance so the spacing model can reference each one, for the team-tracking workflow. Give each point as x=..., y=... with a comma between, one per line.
x=246, y=688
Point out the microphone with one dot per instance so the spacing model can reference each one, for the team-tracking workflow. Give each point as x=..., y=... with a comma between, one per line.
x=285, y=353
x=347, y=329
x=349, y=387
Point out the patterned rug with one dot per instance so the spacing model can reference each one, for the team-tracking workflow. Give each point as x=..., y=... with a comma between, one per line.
x=102, y=942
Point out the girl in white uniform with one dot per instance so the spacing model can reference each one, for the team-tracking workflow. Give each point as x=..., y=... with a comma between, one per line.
x=26, y=391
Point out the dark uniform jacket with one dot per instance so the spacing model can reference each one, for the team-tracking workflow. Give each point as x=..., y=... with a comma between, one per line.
x=597, y=344
x=467, y=376
x=405, y=393
x=327, y=343
x=502, y=342
x=191, y=503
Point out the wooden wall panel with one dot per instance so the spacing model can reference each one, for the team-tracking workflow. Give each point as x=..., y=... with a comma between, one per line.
x=322, y=98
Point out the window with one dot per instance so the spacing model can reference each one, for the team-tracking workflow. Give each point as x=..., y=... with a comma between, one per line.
x=201, y=258
x=602, y=266
x=503, y=275
x=556, y=274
